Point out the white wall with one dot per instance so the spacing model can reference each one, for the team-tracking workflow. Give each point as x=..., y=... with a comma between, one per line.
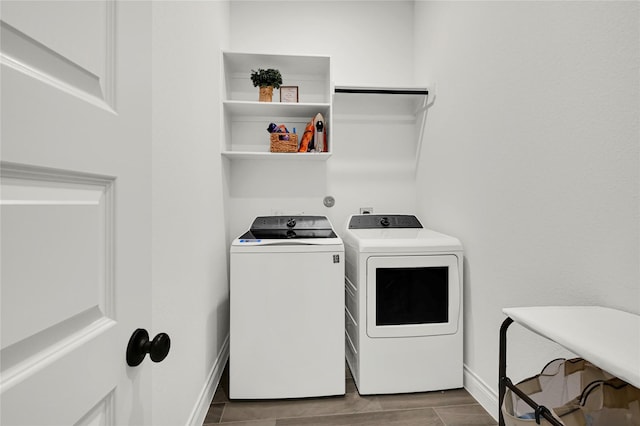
x=366, y=49
x=190, y=283
x=530, y=155
x=531, y=158
x=369, y=42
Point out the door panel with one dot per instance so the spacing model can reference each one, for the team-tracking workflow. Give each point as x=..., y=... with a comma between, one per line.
x=85, y=27
x=78, y=60
x=79, y=384
x=57, y=243
x=75, y=211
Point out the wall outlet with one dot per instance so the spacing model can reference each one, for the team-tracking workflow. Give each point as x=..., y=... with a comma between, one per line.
x=366, y=210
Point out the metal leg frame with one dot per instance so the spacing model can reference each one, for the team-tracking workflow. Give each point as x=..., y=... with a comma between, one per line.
x=504, y=382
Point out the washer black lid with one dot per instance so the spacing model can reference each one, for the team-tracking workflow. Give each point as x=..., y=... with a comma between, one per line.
x=285, y=227
x=369, y=221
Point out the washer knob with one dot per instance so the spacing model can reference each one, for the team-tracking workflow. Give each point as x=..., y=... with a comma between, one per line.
x=384, y=221
x=291, y=223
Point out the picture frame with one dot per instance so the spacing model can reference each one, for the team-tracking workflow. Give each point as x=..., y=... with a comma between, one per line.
x=289, y=94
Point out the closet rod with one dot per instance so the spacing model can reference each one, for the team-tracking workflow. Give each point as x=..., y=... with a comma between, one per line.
x=383, y=91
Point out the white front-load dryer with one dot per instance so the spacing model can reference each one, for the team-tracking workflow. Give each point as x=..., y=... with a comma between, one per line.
x=403, y=305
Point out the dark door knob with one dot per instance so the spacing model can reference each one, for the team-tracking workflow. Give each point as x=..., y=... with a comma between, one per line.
x=140, y=345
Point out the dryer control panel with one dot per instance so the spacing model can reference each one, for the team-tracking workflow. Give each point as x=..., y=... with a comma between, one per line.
x=374, y=221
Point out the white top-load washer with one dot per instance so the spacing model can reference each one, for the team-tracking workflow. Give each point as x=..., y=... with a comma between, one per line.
x=403, y=311
x=287, y=310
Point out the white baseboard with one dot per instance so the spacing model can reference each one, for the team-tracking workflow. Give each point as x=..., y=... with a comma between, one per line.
x=482, y=392
x=206, y=396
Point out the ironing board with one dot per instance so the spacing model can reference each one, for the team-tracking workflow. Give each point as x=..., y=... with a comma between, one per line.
x=608, y=338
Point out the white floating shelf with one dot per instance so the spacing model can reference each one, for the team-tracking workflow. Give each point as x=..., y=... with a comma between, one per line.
x=286, y=156
x=249, y=108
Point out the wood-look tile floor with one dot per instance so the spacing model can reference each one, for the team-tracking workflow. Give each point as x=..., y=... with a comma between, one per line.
x=446, y=408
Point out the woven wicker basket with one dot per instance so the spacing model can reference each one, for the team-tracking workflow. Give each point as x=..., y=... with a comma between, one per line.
x=279, y=145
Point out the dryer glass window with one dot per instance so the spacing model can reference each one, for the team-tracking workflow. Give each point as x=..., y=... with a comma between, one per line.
x=412, y=295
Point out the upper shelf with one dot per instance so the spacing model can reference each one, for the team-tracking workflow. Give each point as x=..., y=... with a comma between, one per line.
x=606, y=337
x=311, y=73
x=295, y=64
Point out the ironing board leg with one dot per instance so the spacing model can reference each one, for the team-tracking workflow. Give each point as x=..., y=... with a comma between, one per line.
x=502, y=367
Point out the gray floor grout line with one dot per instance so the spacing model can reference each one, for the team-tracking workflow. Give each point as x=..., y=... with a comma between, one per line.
x=440, y=417
x=336, y=414
x=457, y=405
x=222, y=413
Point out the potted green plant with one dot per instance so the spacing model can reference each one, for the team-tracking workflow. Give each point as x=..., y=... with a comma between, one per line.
x=266, y=80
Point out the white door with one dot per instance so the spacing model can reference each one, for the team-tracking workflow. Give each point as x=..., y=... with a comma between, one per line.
x=75, y=211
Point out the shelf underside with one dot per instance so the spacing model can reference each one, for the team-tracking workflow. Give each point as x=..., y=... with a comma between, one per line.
x=286, y=156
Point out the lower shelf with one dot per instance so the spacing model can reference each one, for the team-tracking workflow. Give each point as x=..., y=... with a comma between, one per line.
x=288, y=156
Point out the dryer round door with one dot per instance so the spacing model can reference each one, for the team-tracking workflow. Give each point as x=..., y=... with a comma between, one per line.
x=411, y=296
